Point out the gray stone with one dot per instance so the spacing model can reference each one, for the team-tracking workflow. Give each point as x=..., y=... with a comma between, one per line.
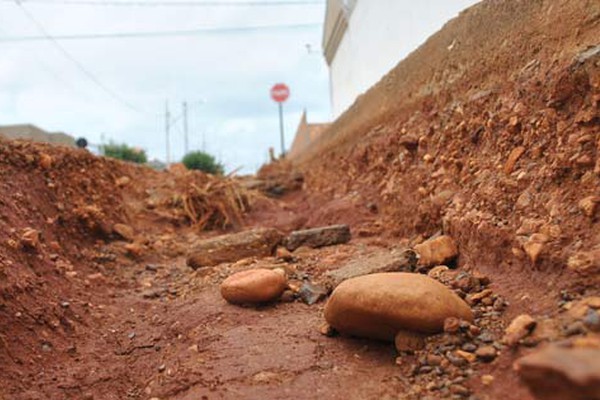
x=311, y=293
x=318, y=237
x=384, y=261
x=234, y=247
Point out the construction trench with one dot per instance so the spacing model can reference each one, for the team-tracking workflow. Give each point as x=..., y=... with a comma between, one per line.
x=469, y=177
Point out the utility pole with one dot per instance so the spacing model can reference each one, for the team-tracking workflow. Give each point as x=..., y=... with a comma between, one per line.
x=185, y=128
x=167, y=126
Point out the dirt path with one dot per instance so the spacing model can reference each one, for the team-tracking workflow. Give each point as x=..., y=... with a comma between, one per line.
x=186, y=342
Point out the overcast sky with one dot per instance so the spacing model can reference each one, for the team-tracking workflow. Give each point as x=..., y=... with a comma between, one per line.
x=224, y=76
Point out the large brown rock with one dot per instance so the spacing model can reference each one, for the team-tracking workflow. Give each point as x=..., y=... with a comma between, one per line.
x=378, y=306
x=557, y=373
x=318, y=237
x=233, y=247
x=438, y=251
x=254, y=286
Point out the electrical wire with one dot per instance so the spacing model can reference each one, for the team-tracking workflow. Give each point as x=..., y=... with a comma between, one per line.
x=79, y=65
x=175, y=3
x=134, y=35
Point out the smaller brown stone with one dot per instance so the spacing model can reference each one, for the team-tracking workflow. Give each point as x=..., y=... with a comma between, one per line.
x=470, y=357
x=519, y=328
x=477, y=297
x=438, y=251
x=254, y=286
x=486, y=353
x=535, y=246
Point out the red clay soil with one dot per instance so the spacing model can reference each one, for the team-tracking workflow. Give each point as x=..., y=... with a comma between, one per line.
x=489, y=133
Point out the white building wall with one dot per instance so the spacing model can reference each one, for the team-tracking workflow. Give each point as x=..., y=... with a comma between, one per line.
x=380, y=34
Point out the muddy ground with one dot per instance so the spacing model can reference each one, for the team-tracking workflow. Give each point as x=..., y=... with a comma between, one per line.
x=489, y=133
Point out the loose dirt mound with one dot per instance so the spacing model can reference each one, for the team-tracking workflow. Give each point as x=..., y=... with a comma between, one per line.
x=69, y=223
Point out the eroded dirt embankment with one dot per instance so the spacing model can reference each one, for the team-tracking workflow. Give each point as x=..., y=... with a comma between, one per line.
x=488, y=132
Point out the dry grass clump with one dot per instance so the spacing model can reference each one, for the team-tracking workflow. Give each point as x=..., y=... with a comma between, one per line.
x=219, y=203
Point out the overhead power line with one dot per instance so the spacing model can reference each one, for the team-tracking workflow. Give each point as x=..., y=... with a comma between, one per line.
x=68, y=56
x=133, y=35
x=175, y=3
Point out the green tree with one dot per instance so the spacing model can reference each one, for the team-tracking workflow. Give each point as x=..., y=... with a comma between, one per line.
x=125, y=153
x=202, y=161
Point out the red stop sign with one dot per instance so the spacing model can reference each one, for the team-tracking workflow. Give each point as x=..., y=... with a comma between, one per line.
x=280, y=92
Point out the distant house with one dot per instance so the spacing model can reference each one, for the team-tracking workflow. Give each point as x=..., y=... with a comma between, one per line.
x=33, y=133
x=305, y=135
x=364, y=39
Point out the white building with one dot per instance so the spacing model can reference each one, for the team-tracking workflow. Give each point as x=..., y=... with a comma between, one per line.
x=364, y=39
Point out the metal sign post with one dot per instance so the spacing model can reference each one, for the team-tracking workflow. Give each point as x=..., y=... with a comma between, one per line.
x=280, y=93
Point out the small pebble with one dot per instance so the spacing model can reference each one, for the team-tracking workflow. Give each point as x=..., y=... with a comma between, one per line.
x=459, y=390
x=487, y=353
x=486, y=337
x=451, y=325
x=434, y=360
x=469, y=347
x=592, y=320
x=487, y=380
x=576, y=328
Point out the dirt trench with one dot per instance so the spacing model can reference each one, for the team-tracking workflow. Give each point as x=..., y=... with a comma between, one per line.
x=93, y=310
x=489, y=133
